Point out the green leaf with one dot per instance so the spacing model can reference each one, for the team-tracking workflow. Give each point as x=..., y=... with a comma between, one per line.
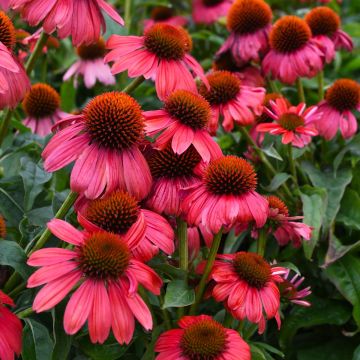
x=356, y=355
x=34, y=177
x=345, y=275
x=337, y=250
x=37, y=343
x=314, y=204
x=321, y=311
x=271, y=151
x=277, y=181
x=13, y=255
x=349, y=213
x=257, y=353
x=334, y=185
x=178, y=294
x=62, y=341
x=110, y=350
x=353, y=146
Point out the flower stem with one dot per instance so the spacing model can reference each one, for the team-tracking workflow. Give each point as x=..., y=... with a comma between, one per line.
x=228, y=320
x=133, y=85
x=263, y=157
x=65, y=207
x=208, y=267
x=261, y=242
x=183, y=244
x=273, y=86
x=300, y=90
x=25, y=313
x=321, y=85
x=30, y=64
x=127, y=14
x=5, y=125
x=292, y=165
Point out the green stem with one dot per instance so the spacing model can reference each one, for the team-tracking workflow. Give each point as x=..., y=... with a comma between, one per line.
x=292, y=165
x=18, y=289
x=273, y=86
x=261, y=242
x=133, y=85
x=25, y=313
x=183, y=244
x=12, y=282
x=65, y=207
x=228, y=320
x=208, y=267
x=5, y=125
x=263, y=157
x=30, y=64
x=240, y=327
x=300, y=89
x=321, y=85
x=127, y=14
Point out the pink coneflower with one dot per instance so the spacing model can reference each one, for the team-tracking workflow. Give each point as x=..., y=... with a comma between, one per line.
x=161, y=53
x=294, y=123
x=235, y=102
x=249, y=23
x=14, y=82
x=293, y=52
x=248, y=286
x=104, y=140
x=83, y=20
x=226, y=195
x=91, y=66
x=42, y=108
x=183, y=122
x=325, y=27
x=282, y=226
x=10, y=330
x=106, y=275
x=121, y=214
x=201, y=337
x=336, y=111
x=164, y=15
x=209, y=11
x=4, y=4
x=171, y=173
x=249, y=75
x=289, y=289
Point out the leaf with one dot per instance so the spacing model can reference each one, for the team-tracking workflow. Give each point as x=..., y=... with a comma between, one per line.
x=314, y=204
x=178, y=294
x=334, y=185
x=110, y=350
x=353, y=146
x=257, y=353
x=337, y=250
x=345, y=275
x=349, y=213
x=271, y=151
x=13, y=255
x=322, y=311
x=277, y=181
x=62, y=341
x=356, y=355
x=34, y=177
x=37, y=343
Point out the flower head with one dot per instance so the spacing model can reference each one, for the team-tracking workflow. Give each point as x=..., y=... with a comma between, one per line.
x=83, y=20
x=294, y=123
x=225, y=195
x=164, y=15
x=325, y=27
x=14, y=81
x=201, y=337
x=10, y=329
x=249, y=23
x=282, y=226
x=209, y=11
x=289, y=289
x=248, y=286
x=161, y=53
x=228, y=97
x=293, y=52
x=121, y=214
x=336, y=111
x=104, y=140
x=184, y=119
x=91, y=65
x=42, y=108
x=107, y=276
x=171, y=173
